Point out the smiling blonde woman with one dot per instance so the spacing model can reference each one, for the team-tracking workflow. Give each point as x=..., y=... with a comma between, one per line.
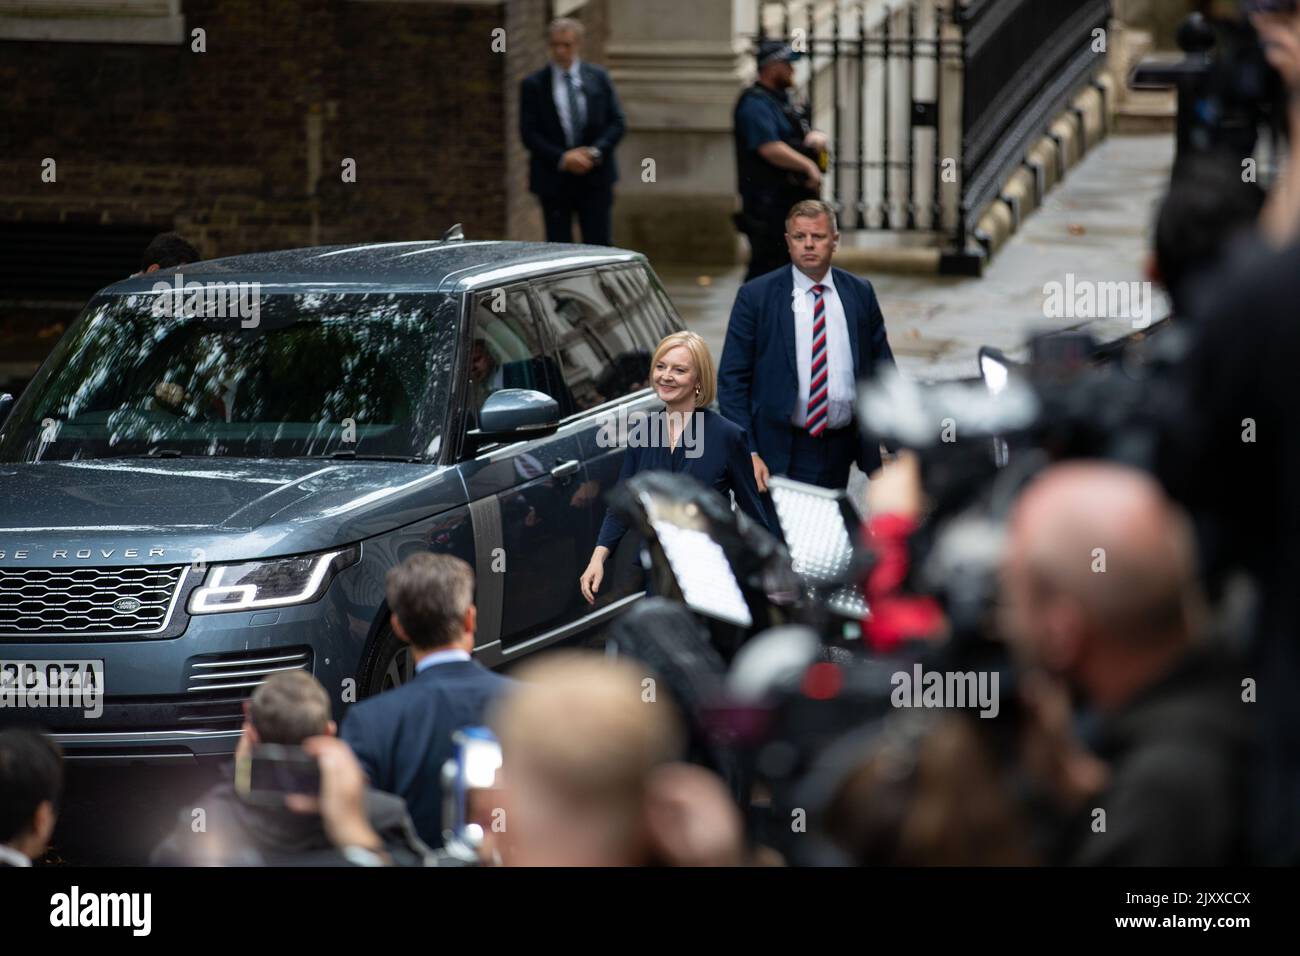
x=686, y=437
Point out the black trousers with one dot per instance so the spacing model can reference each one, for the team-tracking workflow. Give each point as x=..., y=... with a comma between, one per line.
x=768, y=251
x=592, y=206
x=823, y=461
x=762, y=221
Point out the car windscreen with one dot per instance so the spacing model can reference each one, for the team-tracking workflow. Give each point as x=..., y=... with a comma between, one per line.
x=296, y=374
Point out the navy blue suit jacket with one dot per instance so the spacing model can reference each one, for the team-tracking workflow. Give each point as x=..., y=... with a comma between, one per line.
x=543, y=133
x=758, y=384
x=403, y=736
x=723, y=464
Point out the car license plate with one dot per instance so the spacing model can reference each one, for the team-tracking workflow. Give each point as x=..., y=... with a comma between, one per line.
x=52, y=677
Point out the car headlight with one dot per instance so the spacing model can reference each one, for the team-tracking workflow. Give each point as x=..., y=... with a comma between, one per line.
x=275, y=582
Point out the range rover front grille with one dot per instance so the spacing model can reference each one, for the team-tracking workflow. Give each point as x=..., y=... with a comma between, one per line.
x=243, y=671
x=218, y=685
x=53, y=602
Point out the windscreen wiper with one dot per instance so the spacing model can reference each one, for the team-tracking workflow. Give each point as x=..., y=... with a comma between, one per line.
x=151, y=453
x=350, y=455
x=155, y=452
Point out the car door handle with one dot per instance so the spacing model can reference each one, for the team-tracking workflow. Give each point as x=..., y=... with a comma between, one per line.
x=564, y=469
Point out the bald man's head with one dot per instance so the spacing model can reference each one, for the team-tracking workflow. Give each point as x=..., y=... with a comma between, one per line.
x=581, y=743
x=1098, y=553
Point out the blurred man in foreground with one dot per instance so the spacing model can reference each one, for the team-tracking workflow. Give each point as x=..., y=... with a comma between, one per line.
x=1100, y=597
x=1232, y=455
x=31, y=779
x=591, y=777
x=1208, y=216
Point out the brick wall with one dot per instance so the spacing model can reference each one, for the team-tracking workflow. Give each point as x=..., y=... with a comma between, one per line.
x=526, y=30
x=220, y=144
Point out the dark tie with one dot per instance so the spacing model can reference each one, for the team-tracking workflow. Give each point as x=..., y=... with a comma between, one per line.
x=575, y=118
x=819, y=390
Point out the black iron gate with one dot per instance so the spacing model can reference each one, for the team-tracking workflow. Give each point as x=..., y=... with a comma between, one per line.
x=931, y=104
x=1023, y=61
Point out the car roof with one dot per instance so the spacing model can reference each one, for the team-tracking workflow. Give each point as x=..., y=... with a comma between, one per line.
x=425, y=265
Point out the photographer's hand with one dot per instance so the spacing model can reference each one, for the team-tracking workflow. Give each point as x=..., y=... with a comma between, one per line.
x=1052, y=753
x=1279, y=35
x=896, y=488
x=342, y=802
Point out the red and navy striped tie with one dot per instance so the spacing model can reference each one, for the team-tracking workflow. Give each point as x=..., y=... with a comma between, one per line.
x=819, y=392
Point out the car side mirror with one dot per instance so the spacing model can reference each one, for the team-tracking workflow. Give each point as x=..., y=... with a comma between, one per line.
x=6, y=403
x=515, y=414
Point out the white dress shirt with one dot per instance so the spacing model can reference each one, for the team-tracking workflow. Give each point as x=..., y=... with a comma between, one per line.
x=839, y=354
x=441, y=657
x=560, y=93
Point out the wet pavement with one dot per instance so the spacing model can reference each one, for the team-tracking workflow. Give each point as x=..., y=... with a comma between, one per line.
x=1096, y=225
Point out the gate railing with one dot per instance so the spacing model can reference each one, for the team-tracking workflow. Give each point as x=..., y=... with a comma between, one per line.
x=931, y=104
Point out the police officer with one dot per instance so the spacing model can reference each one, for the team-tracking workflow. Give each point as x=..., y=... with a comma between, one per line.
x=779, y=158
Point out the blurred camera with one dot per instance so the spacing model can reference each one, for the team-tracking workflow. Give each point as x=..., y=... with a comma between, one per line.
x=269, y=772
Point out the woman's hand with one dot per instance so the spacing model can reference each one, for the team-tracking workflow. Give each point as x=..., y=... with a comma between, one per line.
x=595, y=573
x=761, y=474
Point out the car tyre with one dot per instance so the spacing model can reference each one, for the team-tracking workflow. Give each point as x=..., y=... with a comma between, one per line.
x=389, y=664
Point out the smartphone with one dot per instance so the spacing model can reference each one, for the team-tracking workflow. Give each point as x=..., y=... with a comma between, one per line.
x=269, y=771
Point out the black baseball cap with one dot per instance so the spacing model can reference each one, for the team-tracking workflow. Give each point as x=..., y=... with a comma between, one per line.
x=774, y=51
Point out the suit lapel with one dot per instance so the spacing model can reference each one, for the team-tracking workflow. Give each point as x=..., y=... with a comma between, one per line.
x=785, y=313
x=548, y=99
x=848, y=293
x=590, y=93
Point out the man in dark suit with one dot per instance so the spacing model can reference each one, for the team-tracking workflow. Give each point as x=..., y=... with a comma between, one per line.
x=403, y=736
x=798, y=341
x=31, y=778
x=570, y=121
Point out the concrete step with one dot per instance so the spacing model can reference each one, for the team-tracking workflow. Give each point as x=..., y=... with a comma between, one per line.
x=1130, y=47
x=1148, y=112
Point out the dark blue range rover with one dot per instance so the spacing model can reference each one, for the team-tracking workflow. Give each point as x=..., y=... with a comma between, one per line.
x=209, y=477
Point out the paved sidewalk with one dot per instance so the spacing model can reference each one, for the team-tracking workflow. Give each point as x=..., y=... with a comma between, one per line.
x=1096, y=225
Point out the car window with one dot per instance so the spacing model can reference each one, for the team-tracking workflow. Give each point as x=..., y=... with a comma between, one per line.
x=600, y=356
x=667, y=311
x=507, y=351
x=636, y=297
x=263, y=375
